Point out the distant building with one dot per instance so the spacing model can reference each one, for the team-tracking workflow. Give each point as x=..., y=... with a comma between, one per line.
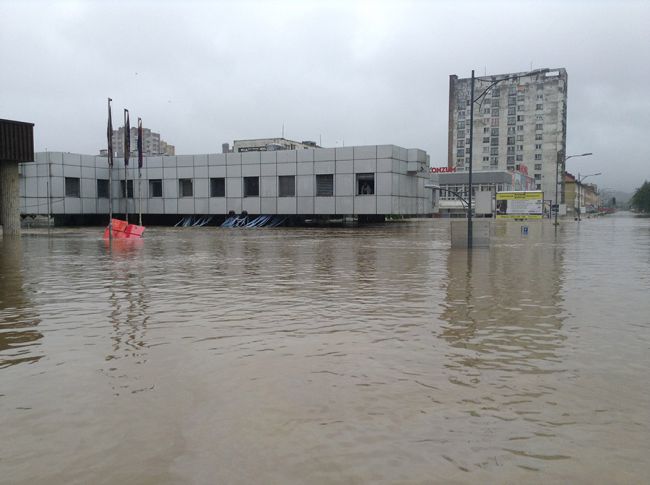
x=454, y=185
x=517, y=121
x=580, y=195
x=152, y=144
x=271, y=144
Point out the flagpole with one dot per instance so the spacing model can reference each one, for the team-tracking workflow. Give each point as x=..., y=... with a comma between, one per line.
x=127, y=152
x=140, y=171
x=109, y=133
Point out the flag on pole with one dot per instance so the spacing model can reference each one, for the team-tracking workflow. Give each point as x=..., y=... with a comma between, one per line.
x=109, y=135
x=127, y=137
x=139, y=142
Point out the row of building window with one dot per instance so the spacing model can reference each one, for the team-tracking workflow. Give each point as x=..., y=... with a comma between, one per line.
x=286, y=186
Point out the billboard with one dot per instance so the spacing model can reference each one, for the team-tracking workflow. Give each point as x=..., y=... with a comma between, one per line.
x=520, y=205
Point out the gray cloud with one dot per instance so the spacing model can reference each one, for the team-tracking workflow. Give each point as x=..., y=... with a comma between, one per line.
x=351, y=72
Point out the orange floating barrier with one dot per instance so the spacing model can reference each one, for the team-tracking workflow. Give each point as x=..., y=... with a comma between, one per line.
x=124, y=230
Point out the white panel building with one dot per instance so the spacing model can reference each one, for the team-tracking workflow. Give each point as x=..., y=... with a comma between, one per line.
x=350, y=181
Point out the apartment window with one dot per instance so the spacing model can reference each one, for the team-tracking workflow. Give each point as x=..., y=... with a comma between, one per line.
x=520, y=99
x=494, y=160
x=217, y=187
x=72, y=187
x=460, y=125
x=128, y=186
x=511, y=150
x=486, y=149
x=539, y=117
x=520, y=118
x=486, y=111
x=512, y=110
x=461, y=134
x=538, y=166
x=494, y=151
x=460, y=152
x=495, y=111
x=286, y=186
x=185, y=188
x=494, y=122
x=511, y=120
x=486, y=159
x=511, y=140
x=512, y=101
x=251, y=186
x=538, y=156
x=495, y=103
x=520, y=148
x=538, y=136
x=538, y=176
x=494, y=132
x=155, y=188
x=365, y=183
x=539, y=107
x=460, y=162
x=520, y=128
x=486, y=139
x=512, y=89
x=540, y=96
x=520, y=158
x=494, y=141
x=538, y=146
x=510, y=160
x=486, y=130
x=461, y=114
x=539, y=126
x=460, y=143
x=511, y=130
x=521, y=108
x=539, y=186
x=325, y=185
x=102, y=188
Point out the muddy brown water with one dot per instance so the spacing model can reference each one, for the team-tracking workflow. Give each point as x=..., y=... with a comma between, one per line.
x=358, y=355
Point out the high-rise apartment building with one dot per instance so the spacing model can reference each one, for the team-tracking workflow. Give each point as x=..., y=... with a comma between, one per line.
x=152, y=144
x=518, y=121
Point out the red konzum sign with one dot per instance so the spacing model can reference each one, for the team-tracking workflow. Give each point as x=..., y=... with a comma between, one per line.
x=443, y=169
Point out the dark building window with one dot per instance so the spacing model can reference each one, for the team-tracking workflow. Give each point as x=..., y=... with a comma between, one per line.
x=286, y=186
x=185, y=188
x=130, y=187
x=365, y=183
x=155, y=188
x=325, y=185
x=217, y=187
x=251, y=186
x=72, y=187
x=102, y=188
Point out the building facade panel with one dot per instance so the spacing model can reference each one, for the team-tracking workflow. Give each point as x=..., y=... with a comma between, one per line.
x=186, y=188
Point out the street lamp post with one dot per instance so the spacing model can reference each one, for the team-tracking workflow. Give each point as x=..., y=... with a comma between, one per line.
x=580, y=179
x=557, y=204
x=471, y=133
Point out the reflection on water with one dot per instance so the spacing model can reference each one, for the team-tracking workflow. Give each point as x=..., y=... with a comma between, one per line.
x=364, y=355
x=19, y=338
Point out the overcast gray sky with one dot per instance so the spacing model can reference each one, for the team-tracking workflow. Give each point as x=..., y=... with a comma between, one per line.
x=203, y=73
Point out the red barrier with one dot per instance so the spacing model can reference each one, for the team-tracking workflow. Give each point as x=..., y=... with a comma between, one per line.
x=124, y=230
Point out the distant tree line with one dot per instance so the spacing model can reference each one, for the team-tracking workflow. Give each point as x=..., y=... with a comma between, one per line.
x=641, y=198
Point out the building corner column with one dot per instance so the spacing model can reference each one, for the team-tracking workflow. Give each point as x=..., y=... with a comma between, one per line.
x=9, y=199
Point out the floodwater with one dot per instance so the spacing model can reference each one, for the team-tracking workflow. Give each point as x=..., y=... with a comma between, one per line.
x=356, y=355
